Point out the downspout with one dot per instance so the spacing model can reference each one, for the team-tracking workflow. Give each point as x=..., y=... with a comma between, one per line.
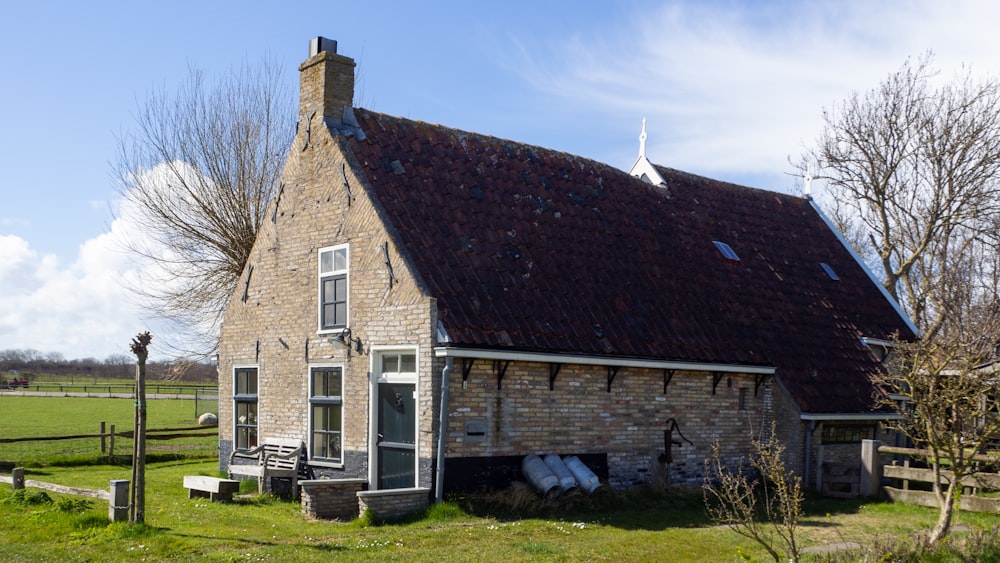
x=442, y=431
x=809, y=433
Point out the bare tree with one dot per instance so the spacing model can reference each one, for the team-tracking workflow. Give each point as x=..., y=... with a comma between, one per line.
x=915, y=167
x=197, y=173
x=947, y=391
x=760, y=498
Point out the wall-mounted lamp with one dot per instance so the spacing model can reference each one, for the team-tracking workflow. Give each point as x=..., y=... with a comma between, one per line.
x=215, y=360
x=345, y=339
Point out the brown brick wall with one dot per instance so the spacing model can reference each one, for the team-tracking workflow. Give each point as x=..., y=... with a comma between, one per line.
x=580, y=416
x=276, y=327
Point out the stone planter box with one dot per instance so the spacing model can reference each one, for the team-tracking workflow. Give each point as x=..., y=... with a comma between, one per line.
x=332, y=499
x=393, y=504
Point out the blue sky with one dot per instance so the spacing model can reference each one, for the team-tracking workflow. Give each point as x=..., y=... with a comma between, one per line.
x=730, y=90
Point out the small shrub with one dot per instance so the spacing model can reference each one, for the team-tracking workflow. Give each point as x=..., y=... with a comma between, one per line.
x=74, y=505
x=28, y=497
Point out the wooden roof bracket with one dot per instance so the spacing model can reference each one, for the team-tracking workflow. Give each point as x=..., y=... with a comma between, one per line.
x=500, y=367
x=553, y=372
x=466, y=368
x=612, y=373
x=716, y=378
x=668, y=375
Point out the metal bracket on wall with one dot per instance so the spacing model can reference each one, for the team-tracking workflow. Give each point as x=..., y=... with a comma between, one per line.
x=257, y=351
x=277, y=202
x=553, y=372
x=501, y=369
x=309, y=127
x=388, y=263
x=246, y=283
x=612, y=374
x=347, y=186
x=668, y=375
x=466, y=368
x=716, y=378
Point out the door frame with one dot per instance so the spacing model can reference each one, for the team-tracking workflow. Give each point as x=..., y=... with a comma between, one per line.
x=377, y=376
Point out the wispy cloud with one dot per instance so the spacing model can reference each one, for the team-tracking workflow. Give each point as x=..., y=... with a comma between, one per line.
x=736, y=89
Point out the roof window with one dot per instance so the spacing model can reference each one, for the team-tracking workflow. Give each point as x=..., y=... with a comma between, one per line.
x=726, y=251
x=829, y=271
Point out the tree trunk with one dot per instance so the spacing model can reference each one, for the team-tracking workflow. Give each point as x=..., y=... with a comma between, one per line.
x=943, y=525
x=139, y=457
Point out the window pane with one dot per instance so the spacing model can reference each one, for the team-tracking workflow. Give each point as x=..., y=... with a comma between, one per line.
x=325, y=262
x=340, y=259
x=326, y=382
x=390, y=363
x=340, y=289
x=340, y=314
x=408, y=363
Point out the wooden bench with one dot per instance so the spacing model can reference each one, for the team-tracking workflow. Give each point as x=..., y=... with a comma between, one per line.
x=276, y=457
x=211, y=487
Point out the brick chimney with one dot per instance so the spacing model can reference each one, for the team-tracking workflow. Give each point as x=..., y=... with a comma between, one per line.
x=326, y=81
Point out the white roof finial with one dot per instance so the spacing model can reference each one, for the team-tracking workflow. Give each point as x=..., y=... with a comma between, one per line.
x=807, y=182
x=642, y=140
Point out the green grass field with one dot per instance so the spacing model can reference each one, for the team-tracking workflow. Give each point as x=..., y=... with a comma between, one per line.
x=23, y=417
x=637, y=526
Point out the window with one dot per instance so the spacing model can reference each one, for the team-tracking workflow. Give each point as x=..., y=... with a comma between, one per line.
x=847, y=434
x=245, y=396
x=326, y=413
x=333, y=288
x=726, y=251
x=829, y=271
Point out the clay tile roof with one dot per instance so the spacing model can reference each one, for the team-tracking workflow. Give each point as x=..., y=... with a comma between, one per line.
x=531, y=249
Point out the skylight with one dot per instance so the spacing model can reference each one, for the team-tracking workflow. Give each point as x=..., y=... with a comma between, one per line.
x=726, y=251
x=829, y=271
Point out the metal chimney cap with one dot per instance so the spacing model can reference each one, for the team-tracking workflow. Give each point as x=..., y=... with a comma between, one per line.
x=318, y=45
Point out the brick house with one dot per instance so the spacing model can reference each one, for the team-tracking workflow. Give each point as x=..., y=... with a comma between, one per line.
x=570, y=307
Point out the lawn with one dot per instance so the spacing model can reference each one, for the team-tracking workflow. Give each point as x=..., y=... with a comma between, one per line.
x=23, y=417
x=633, y=527
x=639, y=526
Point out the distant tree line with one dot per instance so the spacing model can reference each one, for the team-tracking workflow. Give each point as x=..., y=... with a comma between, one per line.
x=26, y=363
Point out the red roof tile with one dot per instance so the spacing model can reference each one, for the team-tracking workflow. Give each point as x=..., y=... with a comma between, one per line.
x=527, y=248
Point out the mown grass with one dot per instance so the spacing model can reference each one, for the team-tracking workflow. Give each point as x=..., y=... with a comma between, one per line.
x=23, y=417
x=514, y=525
x=511, y=525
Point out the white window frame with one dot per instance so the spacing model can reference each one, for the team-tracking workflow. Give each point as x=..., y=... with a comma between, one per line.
x=245, y=398
x=325, y=400
x=321, y=275
x=377, y=355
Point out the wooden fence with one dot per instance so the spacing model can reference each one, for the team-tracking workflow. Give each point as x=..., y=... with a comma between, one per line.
x=874, y=471
x=107, y=435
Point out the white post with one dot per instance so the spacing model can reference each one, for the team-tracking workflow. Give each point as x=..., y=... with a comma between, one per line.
x=118, y=500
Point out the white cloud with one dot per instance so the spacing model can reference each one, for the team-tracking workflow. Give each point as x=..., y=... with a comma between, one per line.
x=731, y=90
x=80, y=310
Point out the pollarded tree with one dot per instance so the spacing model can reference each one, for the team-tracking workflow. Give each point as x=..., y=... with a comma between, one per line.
x=197, y=174
x=915, y=166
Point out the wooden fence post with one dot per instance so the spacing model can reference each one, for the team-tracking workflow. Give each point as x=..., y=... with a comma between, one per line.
x=871, y=469
x=17, y=478
x=104, y=445
x=118, y=500
x=111, y=442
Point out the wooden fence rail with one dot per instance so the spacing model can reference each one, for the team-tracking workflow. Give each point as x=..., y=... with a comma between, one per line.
x=107, y=438
x=873, y=470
